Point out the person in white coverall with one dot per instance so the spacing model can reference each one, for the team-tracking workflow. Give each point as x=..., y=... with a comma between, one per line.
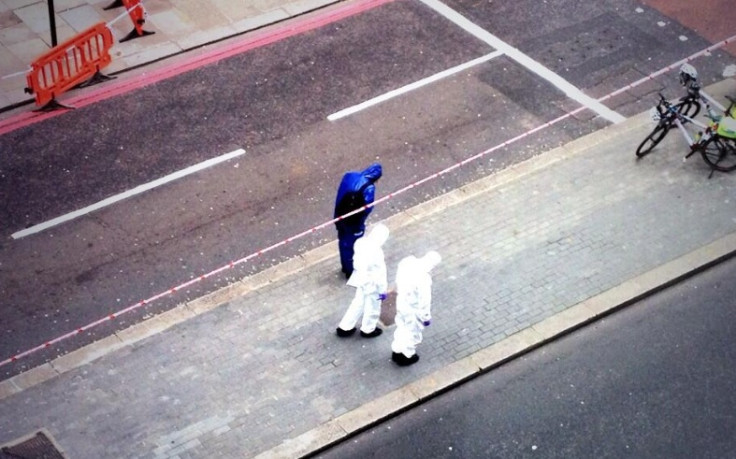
x=370, y=281
x=413, y=302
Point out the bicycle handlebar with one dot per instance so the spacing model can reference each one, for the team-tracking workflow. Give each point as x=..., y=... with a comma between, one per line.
x=668, y=107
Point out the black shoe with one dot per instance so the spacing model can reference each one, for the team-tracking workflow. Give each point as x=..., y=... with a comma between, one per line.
x=373, y=334
x=345, y=333
x=403, y=360
x=347, y=274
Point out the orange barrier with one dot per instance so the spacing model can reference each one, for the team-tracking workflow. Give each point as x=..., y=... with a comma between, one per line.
x=72, y=63
x=137, y=15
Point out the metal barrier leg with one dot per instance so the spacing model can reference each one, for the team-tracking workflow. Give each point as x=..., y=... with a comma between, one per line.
x=115, y=4
x=98, y=77
x=134, y=34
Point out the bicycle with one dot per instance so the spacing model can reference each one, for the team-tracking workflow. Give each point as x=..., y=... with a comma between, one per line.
x=691, y=103
x=716, y=142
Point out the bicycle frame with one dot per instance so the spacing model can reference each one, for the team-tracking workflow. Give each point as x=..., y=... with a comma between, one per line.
x=715, y=141
x=698, y=95
x=707, y=130
x=669, y=114
x=708, y=98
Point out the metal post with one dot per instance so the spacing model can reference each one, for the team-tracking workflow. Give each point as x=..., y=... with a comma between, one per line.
x=52, y=22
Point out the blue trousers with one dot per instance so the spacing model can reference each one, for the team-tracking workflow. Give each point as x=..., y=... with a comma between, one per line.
x=346, y=240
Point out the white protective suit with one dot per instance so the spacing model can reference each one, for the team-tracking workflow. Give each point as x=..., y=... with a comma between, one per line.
x=413, y=301
x=370, y=280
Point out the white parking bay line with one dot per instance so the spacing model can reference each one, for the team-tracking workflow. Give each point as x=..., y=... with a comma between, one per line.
x=563, y=85
x=410, y=87
x=127, y=194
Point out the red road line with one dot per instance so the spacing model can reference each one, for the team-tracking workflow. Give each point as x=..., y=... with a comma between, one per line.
x=249, y=42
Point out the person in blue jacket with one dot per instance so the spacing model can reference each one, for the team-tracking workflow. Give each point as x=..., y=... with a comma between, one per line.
x=357, y=188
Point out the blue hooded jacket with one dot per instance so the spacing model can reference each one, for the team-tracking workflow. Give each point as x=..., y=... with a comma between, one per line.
x=352, y=182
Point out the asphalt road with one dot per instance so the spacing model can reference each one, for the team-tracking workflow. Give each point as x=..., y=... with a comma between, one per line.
x=273, y=102
x=652, y=380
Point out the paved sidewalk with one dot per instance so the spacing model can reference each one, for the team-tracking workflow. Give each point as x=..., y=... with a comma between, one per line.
x=256, y=368
x=179, y=25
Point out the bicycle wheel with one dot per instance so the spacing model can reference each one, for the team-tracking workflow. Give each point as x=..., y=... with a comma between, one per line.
x=688, y=107
x=653, y=139
x=720, y=153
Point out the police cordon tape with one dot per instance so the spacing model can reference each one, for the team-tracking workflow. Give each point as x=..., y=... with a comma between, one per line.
x=651, y=76
x=391, y=195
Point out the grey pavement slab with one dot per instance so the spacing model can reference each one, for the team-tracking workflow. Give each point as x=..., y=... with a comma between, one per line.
x=256, y=369
x=81, y=17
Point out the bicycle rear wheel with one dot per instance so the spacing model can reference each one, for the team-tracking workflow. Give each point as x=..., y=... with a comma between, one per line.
x=653, y=139
x=720, y=153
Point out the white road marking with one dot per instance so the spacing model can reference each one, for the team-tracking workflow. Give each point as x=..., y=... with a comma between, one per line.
x=410, y=87
x=563, y=85
x=127, y=194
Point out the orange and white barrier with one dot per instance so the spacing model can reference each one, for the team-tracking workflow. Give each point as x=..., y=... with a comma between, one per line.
x=69, y=64
x=137, y=14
